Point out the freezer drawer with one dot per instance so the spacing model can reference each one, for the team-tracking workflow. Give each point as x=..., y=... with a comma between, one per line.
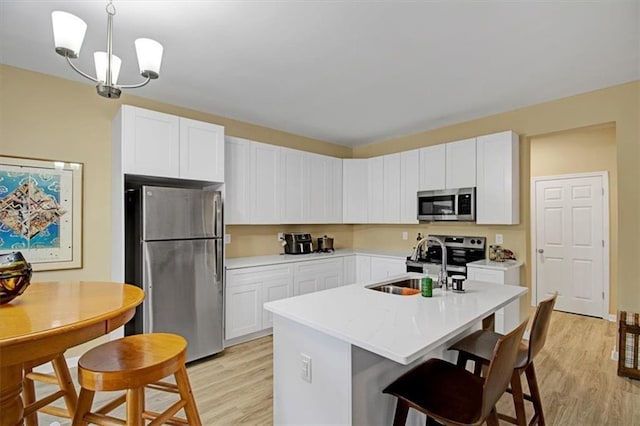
x=183, y=284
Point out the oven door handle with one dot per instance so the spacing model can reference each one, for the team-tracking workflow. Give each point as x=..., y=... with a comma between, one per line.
x=454, y=268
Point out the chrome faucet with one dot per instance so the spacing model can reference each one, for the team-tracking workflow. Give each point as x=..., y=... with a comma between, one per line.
x=442, y=275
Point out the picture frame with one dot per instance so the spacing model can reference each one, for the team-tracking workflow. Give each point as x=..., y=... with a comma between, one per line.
x=41, y=211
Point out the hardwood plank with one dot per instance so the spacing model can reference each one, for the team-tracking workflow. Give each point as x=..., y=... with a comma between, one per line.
x=577, y=379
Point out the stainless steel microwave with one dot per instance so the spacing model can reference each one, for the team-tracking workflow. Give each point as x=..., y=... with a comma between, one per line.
x=447, y=205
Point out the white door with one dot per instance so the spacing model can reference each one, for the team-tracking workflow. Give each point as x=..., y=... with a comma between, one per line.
x=570, y=243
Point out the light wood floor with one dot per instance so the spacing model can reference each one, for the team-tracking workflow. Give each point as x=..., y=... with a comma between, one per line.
x=576, y=375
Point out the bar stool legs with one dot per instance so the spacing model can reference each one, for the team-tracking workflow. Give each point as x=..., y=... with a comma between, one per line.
x=61, y=378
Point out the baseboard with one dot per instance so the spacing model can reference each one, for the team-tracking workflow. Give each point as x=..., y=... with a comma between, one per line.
x=47, y=368
x=247, y=337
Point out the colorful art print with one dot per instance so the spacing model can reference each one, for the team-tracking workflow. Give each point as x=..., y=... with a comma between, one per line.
x=40, y=213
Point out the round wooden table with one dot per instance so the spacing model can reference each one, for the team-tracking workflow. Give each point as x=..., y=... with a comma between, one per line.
x=51, y=317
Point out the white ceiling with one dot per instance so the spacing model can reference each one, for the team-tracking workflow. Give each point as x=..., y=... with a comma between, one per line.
x=348, y=72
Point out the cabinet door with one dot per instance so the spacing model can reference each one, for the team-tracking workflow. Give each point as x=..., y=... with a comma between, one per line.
x=274, y=289
x=237, y=187
x=363, y=268
x=265, y=161
x=333, y=185
x=331, y=273
x=498, y=179
x=316, y=210
x=305, y=284
x=150, y=142
x=201, y=150
x=409, y=185
x=391, y=188
x=243, y=310
x=355, y=187
x=383, y=267
x=293, y=172
x=349, y=269
x=376, y=190
x=432, y=167
x=461, y=164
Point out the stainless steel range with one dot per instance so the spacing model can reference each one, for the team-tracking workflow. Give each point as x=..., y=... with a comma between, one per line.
x=460, y=251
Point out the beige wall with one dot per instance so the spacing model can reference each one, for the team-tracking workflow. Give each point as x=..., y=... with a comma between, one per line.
x=52, y=118
x=579, y=151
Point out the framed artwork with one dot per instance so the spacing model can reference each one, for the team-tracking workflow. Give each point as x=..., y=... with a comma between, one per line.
x=41, y=211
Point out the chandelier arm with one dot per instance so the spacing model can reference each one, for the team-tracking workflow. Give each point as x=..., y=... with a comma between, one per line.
x=85, y=75
x=134, y=86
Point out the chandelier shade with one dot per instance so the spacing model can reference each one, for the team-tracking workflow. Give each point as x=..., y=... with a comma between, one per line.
x=68, y=35
x=149, y=57
x=100, y=59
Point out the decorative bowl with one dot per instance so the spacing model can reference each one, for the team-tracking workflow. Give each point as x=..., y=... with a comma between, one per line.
x=15, y=276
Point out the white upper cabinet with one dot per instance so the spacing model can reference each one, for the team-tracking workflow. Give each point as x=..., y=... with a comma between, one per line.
x=375, y=199
x=150, y=142
x=265, y=183
x=432, y=166
x=237, y=181
x=355, y=190
x=391, y=204
x=448, y=166
x=409, y=185
x=164, y=145
x=460, y=166
x=498, y=179
x=323, y=189
x=294, y=173
x=201, y=150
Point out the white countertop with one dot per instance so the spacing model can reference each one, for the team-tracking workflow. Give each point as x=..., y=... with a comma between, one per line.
x=492, y=264
x=251, y=261
x=400, y=328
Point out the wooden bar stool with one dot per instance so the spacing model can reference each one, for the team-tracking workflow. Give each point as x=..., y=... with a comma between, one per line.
x=450, y=394
x=60, y=377
x=478, y=347
x=133, y=363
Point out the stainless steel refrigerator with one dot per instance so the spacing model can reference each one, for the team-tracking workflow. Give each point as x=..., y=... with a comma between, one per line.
x=173, y=250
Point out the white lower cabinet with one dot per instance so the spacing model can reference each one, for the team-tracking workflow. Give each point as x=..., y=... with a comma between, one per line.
x=508, y=318
x=316, y=275
x=247, y=290
x=383, y=267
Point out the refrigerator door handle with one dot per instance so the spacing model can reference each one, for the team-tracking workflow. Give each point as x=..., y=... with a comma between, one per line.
x=218, y=215
x=147, y=326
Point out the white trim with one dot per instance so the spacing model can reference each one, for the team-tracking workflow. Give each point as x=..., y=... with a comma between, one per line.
x=605, y=234
x=613, y=317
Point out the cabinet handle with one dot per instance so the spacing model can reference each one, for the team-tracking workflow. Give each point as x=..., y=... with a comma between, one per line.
x=540, y=251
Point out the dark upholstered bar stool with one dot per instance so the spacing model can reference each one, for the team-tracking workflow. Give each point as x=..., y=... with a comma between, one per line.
x=133, y=363
x=452, y=395
x=479, y=346
x=60, y=377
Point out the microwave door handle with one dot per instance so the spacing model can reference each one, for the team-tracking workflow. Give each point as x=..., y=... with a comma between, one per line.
x=455, y=204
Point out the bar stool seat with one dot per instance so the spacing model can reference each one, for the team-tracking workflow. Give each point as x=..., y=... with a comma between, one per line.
x=60, y=377
x=450, y=394
x=133, y=363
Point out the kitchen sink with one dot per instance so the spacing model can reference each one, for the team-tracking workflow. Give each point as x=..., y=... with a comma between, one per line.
x=405, y=287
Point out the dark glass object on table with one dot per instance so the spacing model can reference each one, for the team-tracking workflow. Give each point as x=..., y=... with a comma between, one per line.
x=15, y=276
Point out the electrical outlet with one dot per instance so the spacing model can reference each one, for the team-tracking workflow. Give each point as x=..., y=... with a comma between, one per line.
x=280, y=236
x=305, y=367
x=499, y=239
x=227, y=238
x=405, y=236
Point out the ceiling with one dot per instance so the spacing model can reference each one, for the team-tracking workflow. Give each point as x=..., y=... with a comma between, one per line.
x=347, y=72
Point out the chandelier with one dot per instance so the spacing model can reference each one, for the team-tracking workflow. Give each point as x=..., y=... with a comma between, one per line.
x=68, y=35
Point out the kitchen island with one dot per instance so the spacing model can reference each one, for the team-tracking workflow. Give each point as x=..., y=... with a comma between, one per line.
x=335, y=350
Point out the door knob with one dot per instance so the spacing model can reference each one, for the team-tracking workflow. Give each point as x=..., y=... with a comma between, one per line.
x=540, y=251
